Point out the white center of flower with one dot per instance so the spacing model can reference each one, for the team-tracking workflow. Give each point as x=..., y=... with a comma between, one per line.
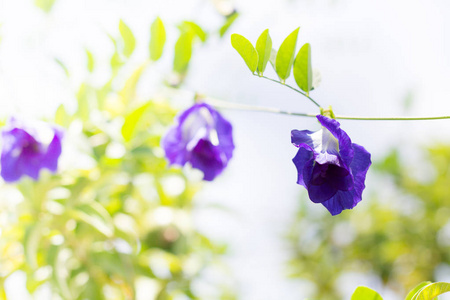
x=324, y=141
x=199, y=125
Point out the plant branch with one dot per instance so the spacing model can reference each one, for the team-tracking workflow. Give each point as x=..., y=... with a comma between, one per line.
x=291, y=87
x=245, y=107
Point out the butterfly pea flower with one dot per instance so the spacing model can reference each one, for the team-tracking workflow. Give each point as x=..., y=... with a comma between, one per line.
x=330, y=166
x=27, y=148
x=201, y=137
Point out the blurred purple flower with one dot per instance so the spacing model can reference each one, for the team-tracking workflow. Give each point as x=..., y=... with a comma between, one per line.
x=203, y=138
x=27, y=148
x=330, y=166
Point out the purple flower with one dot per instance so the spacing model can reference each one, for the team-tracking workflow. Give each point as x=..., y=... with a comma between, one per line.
x=203, y=138
x=330, y=166
x=27, y=148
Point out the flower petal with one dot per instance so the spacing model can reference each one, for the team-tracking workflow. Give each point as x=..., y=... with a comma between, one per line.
x=340, y=201
x=50, y=158
x=208, y=158
x=359, y=166
x=321, y=193
x=345, y=143
x=301, y=137
x=303, y=158
x=175, y=147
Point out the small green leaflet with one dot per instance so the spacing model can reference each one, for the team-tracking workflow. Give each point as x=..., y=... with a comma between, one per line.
x=245, y=50
x=431, y=291
x=302, y=69
x=128, y=39
x=195, y=28
x=285, y=56
x=90, y=60
x=132, y=120
x=416, y=289
x=45, y=5
x=228, y=22
x=264, y=48
x=157, y=39
x=63, y=66
x=364, y=293
x=183, y=52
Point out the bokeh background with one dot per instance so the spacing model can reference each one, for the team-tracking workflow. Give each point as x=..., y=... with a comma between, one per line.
x=382, y=58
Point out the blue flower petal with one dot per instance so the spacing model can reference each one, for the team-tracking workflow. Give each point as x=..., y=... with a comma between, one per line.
x=208, y=158
x=202, y=137
x=22, y=154
x=301, y=137
x=340, y=201
x=359, y=166
x=304, y=157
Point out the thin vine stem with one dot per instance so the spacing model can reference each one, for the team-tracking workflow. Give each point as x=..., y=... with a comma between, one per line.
x=291, y=87
x=245, y=107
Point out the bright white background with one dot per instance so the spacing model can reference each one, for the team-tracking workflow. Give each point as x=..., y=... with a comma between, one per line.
x=371, y=54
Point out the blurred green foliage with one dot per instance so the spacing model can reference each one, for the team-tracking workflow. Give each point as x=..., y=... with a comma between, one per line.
x=117, y=223
x=401, y=233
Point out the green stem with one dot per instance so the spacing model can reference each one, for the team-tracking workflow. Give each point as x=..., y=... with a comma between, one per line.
x=238, y=106
x=291, y=87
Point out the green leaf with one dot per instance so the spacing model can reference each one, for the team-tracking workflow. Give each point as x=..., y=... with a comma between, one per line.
x=45, y=5
x=83, y=104
x=264, y=48
x=196, y=29
x=302, y=69
x=364, y=293
x=128, y=93
x=157, y=39
x=62, y=65
x=131, y=121
x=128, y=38
x=31, y=241
x=90, y=60
x=61, y=116
x=228, y=22
x=245, y=50
x=431, y=291
x=183, y=52
x=416, y=289
x=285, y=56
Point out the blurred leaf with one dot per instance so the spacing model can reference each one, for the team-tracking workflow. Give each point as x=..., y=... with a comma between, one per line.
x=228, y=22
x=196, y=29
x=115, y=62
x=183, y=52
x=285, y=56
x=45, y=5
x=128, y=38
x=62, y=65
x=96, y=216
x=431, y=291
x=56, y=261
x=61, y=116
x=364, y=293
x=90, y=61
x=157, y=39
x=264, y=48
x=302, y=69
x=31, y=241
x=128, y=93
x=245, y=50
x=416, y=289
x=83, y=105
x=129, y=126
